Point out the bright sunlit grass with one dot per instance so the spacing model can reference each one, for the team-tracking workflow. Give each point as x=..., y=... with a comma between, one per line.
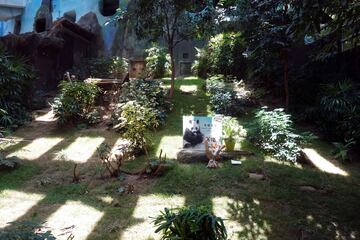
x=47, y=117
x=221, y=209
x=14, y=204
x=146, y=209
x=36, y=148
x=322, y=163
x=170, y=145
x=82, y=149
x=189, y=88
x=77, y=218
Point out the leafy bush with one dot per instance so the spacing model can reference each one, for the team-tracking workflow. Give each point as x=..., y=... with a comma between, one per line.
x=190, y=223
x=134, y=121
x=201, y=65
x=147, y=93
x=157, y=62
x=223, y=55
x=339, y=110
x=275, y=135
x=75, y=101
x=232, y=129
x=15, y=83
x=26, y=230
x=114, y=67
x=223, y=98
x=8, y=163
x=214, y=83
x=341, y=151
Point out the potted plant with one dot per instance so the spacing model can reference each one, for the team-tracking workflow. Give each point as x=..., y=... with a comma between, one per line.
x=232, y=132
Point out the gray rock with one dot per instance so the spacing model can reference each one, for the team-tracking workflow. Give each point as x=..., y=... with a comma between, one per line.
x=199, y=156
x=90, y=22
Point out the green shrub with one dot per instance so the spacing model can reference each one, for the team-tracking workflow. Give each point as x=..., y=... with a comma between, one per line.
x=223, y=98
x=75, y=101
x=26, y=230
x=214, y=83
x=16, y=78
x=201, y=66
x=275, y=135
x=114, y=67
x=157, y=62
x=190, y=223
x=147, y=93
x=339, y=110
x=223, y=55
x=134, y=121
x=8, y=163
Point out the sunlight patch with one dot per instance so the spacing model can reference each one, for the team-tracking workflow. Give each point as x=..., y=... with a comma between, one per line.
x=82, y=149
x=146, y=209
x=14, y=204
x=36, y=148
x=47, y=117
x=221, y=209
x=322, y=163
x=76, y=218
x=243, y=220
x=189, y=88
x=170, y=146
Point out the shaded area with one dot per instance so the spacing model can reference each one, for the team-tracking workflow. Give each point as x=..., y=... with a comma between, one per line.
x=274, y=208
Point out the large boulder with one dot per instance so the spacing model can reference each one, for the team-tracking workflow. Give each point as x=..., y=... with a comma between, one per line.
x=90, y=23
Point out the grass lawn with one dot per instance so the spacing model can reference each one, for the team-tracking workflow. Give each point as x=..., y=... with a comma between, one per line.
x=274, y=208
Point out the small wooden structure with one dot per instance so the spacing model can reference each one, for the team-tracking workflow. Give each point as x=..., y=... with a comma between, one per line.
x=136, y=67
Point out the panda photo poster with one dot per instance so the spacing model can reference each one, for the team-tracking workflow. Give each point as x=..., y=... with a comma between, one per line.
x=196, y=129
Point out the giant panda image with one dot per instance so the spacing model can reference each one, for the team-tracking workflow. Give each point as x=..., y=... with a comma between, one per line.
x=193, y=135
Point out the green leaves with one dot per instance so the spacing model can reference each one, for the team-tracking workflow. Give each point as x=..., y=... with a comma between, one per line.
x=275, y=135
x=16, y=78
x=157, y=62
x=26, y=230
x=232, y=129
x=75, y=101
x=190, y=223
x=136, y=120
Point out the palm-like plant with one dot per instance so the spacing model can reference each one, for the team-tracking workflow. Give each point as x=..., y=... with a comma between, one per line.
x=190, y=223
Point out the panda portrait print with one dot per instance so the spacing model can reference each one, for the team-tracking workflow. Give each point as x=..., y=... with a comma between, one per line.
x=192, y=135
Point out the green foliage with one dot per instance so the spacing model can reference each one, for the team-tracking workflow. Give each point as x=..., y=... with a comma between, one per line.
x=8, y=163
x=232, y=129
x=26, y=230
x=75, y=101
x=157, y=62
x=190, y=223
x=147, y=93
x=223, y=55
x=339, y=110
x=341, y=150
x=16, y=78
x=201, y=65
x=114, y=67
x=333, y=19
x=275, y=134
x=223, y=98
x=134, y=121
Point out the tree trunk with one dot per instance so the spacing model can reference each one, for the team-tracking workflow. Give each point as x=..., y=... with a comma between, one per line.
x=172, y=63
x=286, y=78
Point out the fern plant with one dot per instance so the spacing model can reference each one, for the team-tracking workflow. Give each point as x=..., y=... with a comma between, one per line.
x=16, y=77
x=275, y=134
x=190, y=223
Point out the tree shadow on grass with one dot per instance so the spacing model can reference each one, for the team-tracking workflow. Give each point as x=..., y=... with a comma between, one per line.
x=274, y=208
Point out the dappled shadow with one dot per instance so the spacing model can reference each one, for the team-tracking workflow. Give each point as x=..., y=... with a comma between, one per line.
x=251, y=219
x=274, y=208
